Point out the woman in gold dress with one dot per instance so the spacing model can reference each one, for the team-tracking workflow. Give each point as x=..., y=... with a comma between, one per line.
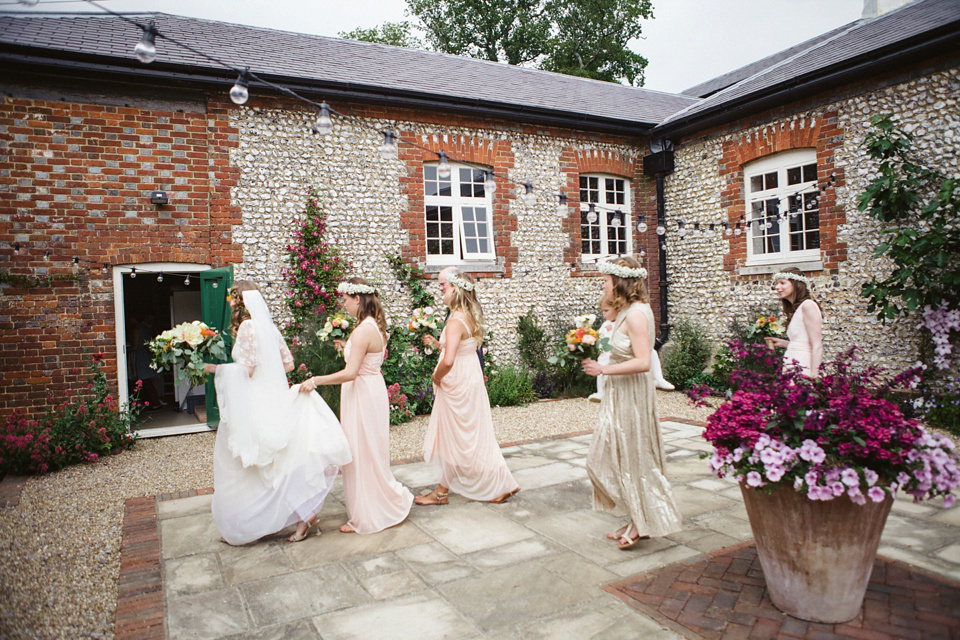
x=626, y=460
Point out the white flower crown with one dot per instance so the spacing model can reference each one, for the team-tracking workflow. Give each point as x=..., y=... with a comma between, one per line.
x=621, y=271
x=459, y=282
x=352, y=289
x=791, y=276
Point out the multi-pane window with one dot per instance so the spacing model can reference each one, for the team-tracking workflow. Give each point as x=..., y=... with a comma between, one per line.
x=605, y=231
x=457, y=215
x=783, y=208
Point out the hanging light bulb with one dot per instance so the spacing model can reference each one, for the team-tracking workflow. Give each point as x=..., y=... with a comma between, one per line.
x=46, y=256
x=681, y=229
x=160, y=277
x=615, y=221
x=16, y=249
x=239, y=93
x=489, y=182
x=643, y=252
x=215, y=284
x=642, y=225
x=592, y=213
x=661, y=229
x=443, y=168
x=727, y=231
x=529, y=197
x=324, y=125
x=146, y=49
x=388, y=150
x=562, y=209
x=133, y=273
x=696, y=229
x=738, y=230
x=104, y=270
x=186, y=281
x=76, y=265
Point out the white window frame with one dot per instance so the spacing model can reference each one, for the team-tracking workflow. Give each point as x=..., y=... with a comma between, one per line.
x=459, y=204
x=789, y=198
x=605, y=212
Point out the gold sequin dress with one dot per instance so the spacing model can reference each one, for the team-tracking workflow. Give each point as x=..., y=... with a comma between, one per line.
x=626, y=460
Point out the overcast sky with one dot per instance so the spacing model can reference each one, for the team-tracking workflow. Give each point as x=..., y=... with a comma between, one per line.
x=687, y=41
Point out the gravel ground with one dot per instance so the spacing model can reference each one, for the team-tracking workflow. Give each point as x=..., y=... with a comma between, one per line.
x=60, y=547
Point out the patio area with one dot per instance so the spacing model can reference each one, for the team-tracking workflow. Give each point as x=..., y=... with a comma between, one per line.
x=538, y=566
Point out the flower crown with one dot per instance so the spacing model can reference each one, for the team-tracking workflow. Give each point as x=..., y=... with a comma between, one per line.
x=353, y=289
x=780, y=275
x=459, y=282
x=621, y=271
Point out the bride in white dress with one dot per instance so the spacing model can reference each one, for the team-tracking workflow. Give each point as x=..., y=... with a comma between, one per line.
x=277, y=450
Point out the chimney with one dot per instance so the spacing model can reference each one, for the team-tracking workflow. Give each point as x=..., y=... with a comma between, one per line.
x=874, y=8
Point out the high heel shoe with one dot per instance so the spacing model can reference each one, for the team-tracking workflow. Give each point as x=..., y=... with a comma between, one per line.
x=311, y=523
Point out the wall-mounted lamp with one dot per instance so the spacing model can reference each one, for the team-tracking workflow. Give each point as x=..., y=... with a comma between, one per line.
x=158, y=197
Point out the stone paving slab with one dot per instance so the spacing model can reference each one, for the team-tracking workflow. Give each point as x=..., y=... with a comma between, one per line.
x=533, y=567
x=724, y=596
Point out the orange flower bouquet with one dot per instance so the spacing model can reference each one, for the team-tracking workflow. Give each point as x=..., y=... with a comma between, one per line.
x=187, y=345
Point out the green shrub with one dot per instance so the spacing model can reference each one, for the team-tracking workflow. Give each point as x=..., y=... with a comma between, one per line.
x=408, y=365
x=316, y=357
x=534, y=343
x=509, y=386
x=688, y=353
x=80, y=429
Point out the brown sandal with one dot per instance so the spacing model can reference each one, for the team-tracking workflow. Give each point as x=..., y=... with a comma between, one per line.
x=434, y=498
x=505, y=497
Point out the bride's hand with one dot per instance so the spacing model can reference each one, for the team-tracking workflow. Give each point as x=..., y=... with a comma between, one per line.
x=209, y=368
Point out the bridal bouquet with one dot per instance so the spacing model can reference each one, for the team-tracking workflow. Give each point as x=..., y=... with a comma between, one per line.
x=767, y=326
x=581, y=342
x=830, y=436
x=425, y=321
x=187, y=345
x=337, y=327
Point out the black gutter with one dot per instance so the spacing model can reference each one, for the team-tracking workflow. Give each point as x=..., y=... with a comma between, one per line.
x=804, y=87
x=659, y=165
x=29, y=65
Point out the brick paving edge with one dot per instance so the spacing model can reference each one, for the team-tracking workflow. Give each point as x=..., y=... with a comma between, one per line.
x=141, y=609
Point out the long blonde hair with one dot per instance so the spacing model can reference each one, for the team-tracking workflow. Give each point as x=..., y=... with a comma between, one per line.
x=240, y=313
x=467, y=302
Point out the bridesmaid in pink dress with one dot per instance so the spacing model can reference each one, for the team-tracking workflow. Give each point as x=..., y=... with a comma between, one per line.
x=375, y=499
x=804, y=341
x=460, y=437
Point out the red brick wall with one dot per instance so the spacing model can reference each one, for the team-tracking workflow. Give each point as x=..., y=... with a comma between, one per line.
x=111, y=158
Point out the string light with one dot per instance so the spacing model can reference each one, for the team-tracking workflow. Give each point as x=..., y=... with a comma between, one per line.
x=529, y=196
x=489, y=182
x=661, y=229
x=562, y=209
x=738, y=230
x=443, y=167
x=592, y=213
x=105, y=269
x=133, y=273
x=16, y=249
x=146, y=49
x=46, y=256
x=76, y=265
x=642, y=226
x=617, y=218
x=727, y=231
x=160, y=277
x=239, y=93
x=186, y=281
x=388, y=150
x=324, y=125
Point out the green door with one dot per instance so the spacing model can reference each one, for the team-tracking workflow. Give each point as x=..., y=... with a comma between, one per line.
x=214, y=286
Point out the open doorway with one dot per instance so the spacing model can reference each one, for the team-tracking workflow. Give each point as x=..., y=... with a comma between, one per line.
x=152, y=298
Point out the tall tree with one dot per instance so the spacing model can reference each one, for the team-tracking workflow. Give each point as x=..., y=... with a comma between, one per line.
x=511, y=31
x=397, y=34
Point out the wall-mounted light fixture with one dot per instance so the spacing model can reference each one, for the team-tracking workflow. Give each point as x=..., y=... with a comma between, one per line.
x=158, y=197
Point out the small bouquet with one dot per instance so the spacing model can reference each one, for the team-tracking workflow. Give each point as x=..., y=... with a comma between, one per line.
x=337, y=327
x=425, y=321
x=187, y=345
x=766, y=326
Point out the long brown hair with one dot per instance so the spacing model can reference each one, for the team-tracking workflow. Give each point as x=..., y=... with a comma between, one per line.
x=801, y=293
x=240, y=313
x=628, y=290
x=370, y=305
x=467, y=302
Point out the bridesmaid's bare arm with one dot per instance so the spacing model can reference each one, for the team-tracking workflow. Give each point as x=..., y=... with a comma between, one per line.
x=454, y=334
x=813, y=324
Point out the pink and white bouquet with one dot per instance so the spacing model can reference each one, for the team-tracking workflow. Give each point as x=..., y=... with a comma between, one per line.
x=336, y=327
x=837, y=435
x=187, y=345
x=425, y=321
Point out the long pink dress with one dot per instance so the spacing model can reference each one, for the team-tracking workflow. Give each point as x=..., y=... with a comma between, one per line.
x=460, y=436
x=375, y=499
x=799, y=349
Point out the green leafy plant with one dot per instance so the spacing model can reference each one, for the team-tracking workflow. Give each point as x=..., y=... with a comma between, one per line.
x=509, y=386
x=533, y=344
x=314, y=268
x=316, y=356
x=80, y=429
x=688, y=354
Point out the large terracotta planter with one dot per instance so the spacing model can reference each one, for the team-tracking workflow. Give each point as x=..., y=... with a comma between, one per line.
x=816, y=556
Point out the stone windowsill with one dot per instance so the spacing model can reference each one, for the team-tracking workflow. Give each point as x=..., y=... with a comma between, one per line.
x=466, y=267
x=767, y=269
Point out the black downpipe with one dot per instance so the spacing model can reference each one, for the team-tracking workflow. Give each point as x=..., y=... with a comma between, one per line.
x=662, y=262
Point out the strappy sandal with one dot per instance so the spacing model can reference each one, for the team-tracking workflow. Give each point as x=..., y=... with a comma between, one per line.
x=626, y=542
x=311, y=523
x=505, y=497
x=346, y=528
x=615, y=535
x=434, y=498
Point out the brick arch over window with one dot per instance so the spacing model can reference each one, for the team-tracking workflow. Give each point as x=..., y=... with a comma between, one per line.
x=496, y=154
x=822, y=134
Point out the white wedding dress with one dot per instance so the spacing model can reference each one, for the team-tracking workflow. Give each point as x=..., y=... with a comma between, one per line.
x=277, y=450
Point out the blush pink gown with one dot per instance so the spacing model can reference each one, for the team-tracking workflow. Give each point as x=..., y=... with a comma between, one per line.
x=460, y=437
x=375, y=499
x=799, y=350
